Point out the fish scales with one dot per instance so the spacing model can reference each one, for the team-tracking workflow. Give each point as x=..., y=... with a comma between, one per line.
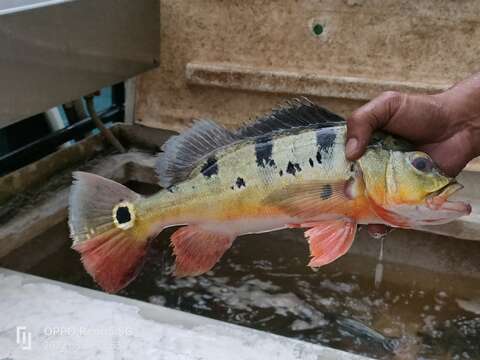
x=288, y=169
x=260, y=177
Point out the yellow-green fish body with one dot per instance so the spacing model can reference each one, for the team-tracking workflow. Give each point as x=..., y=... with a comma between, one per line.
x=288, y=169
x=234, y=186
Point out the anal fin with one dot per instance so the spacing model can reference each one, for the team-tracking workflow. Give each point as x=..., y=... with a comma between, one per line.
x=197, y=249
x=328, y=240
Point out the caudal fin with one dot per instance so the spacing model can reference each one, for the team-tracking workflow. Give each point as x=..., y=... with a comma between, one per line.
x=105, y=230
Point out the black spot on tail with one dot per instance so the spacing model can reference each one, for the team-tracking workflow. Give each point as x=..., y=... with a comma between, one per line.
x=293, y=168
x=311, y=162
x=326, y=192
x=319, y=157
x=210, y=167
x=240, y=182
x=325, y=140
x=263, y=151
x=123, y=215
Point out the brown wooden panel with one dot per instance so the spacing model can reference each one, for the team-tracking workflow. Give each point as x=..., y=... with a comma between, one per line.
x=373, y=44
x=294, y=82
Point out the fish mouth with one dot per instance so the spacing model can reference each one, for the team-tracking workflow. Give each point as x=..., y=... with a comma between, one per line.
x=439, y=200
x=448, y=190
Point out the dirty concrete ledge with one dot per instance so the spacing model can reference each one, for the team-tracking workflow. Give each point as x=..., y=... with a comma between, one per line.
x=53, y=320
x=35, y=197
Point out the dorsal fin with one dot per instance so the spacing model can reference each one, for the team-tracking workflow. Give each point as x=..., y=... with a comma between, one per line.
x=296, y=113
x=181, y=153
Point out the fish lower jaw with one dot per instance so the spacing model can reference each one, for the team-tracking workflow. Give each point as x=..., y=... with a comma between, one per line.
x=438, y=201
x=459, y=207
x=442, y=204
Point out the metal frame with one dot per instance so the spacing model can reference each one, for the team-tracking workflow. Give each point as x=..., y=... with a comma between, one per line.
x=49, y=143
x=58, y=51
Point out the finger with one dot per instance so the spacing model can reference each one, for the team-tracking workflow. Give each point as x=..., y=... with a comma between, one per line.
x=377, y=231
x=452, y=155
x=372, y=116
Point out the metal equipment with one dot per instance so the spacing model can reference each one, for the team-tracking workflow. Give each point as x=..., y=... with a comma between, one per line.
x=56, y=51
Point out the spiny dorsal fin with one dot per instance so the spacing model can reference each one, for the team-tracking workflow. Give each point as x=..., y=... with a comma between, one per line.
x=296, y=113
x=181, y=153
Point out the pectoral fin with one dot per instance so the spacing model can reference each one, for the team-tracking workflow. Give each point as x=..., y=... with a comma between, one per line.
x=197, y=249
x=309, y=199
x=328, y=240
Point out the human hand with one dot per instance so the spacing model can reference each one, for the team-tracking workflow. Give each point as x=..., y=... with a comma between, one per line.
x=445, y=125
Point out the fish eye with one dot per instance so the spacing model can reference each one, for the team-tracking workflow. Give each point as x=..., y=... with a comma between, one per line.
x=423, y=164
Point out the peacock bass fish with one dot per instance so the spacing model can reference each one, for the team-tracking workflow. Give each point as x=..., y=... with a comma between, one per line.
x=286, y=170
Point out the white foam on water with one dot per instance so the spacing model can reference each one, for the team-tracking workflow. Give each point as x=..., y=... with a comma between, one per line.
x=157, y=300
x=338, y=286
x=257, y=294
x=472, y=306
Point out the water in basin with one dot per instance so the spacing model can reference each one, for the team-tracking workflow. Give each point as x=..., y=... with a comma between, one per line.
x=263, y=283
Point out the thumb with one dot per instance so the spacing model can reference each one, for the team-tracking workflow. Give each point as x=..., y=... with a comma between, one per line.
x=365, y=120
x=453, y=154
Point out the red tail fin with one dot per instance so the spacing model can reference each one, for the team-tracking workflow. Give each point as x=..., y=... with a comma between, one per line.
x=105, y=230
x=113, y=258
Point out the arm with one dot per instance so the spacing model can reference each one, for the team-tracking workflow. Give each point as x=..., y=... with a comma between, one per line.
x=444, y=125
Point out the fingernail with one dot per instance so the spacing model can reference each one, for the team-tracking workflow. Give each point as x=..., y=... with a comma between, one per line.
x=351, y=147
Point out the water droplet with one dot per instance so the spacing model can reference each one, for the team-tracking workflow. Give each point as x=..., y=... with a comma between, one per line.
x=378, y=275
x=379, y=267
